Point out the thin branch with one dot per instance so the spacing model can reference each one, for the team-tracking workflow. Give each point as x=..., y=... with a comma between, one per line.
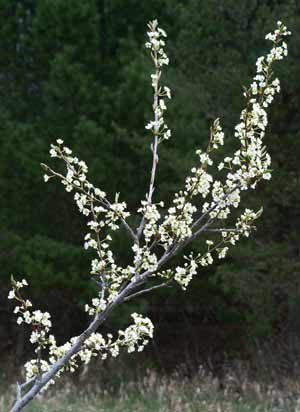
x=18, y=392
x=39, y=358
x=221, y=230
x=103, y=280
x=224, y=197
x=130, y=231
x=154, y=146
x=141, y=292
x=140, y=228
x=174, y=248
x=105, y=202
x=24, y=384
x=154, y=163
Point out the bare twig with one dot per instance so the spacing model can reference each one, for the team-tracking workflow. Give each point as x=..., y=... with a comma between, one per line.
x=221, y=230
x=141, y=292
x=154, y=146
x=18, y=391
x=24, y=384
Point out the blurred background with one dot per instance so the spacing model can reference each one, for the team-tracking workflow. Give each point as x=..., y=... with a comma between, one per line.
x=78, y=70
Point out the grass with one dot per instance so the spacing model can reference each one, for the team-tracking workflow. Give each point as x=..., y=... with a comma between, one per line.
x=155, y=393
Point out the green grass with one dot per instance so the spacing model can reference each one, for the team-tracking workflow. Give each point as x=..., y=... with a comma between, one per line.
x=155, y=393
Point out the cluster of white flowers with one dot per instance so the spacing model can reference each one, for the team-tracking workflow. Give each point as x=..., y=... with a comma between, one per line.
x=33, y=367
x=184, y=274
x=98, y=305
x=177, y=224
x=216, y=136
x=144, y=259
x=246, y=167
x=89, y=199
x=156, y=42
x=156, y=45
x=151, y=216
x=93, y=202
x=134, y=337
x=243, y=227
x=251, y=162
x=200, y=182
x=244, y=223
x=39, y=321
x=17, y=285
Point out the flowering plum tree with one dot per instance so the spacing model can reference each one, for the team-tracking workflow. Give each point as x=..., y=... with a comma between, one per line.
x=161, y=233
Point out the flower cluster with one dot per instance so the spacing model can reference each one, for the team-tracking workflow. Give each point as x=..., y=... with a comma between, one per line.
x=244, y=223
x=40, y=321
x=134, y=337
x=93, y=202
x=184, y=274
x=243, y=227
x=178, y=222
x=151, y=216
x=156, y=45
x=245, y=168
x=90, y=200
x=98, y=305
x=144, y=259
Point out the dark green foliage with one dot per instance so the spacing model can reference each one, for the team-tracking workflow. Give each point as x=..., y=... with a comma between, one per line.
x=78, y=70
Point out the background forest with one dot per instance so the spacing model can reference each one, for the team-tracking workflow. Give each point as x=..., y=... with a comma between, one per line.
x=78, y=70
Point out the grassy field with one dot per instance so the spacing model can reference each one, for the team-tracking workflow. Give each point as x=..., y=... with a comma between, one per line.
x=152, y=392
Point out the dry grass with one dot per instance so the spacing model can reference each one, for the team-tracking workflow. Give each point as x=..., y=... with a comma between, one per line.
x=175, y=393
